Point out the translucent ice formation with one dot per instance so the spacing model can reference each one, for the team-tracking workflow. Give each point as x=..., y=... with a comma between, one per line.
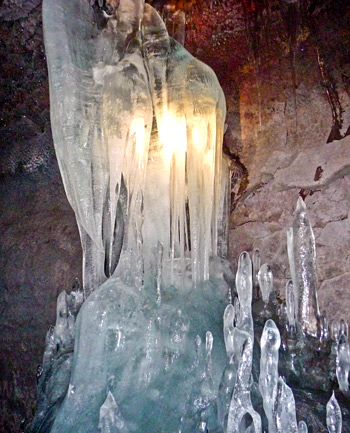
x=244, y=285
x=265, y=279
x=302, y=260
x=241, y=405
x=343, y=362
x=268, y=379
x=112, y=83
x=53, y=382
x=283, y=413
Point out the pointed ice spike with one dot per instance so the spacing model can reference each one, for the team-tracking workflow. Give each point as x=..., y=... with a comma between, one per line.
x=241, y=401
x=265, y=278
x=304, y=256
x=244, y=286
x=229, y=317
x=302, y=427
x=268, y=379
x=343, y=363
x=290, y=418
x=334, y=416
x=111, y=420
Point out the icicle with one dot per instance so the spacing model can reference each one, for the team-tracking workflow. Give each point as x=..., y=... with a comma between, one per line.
x=290, y=302
x=265, y=278
x=334, y=416
x=256, y=267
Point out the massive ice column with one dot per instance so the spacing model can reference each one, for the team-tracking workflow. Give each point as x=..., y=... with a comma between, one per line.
x=138, y=126
x=112, y=81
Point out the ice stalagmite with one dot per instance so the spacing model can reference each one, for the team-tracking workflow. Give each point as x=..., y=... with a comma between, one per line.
x=256, y=267
x=290, y=303
x=53, y=382
x=241, y=405
x=283, y=413
x=268, y=379
x=334, y=416
x=244, y=286
x=229, y=317
x=241, y=408
x=343, y=363
x=302, y=258
x=343, y=327
x=228, y=378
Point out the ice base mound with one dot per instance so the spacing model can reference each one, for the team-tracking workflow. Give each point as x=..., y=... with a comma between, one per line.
x=155, y=358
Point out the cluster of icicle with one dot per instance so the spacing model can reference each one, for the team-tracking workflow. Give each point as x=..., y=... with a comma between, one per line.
x=138, y=126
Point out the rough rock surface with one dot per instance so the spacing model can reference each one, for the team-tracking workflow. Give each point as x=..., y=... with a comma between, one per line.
x=286, y=77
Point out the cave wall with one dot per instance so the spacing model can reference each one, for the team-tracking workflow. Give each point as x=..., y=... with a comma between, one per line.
x=286, y=77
